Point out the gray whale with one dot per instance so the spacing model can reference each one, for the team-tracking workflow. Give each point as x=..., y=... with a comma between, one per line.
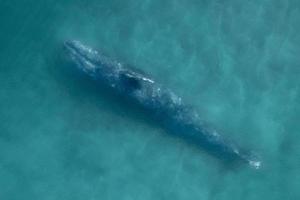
x=162, y=104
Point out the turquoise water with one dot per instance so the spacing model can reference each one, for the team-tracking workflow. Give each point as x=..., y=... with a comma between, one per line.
x=61, y=137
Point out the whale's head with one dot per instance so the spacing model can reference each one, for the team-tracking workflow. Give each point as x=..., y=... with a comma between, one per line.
x=101, y=67
x=85, y=58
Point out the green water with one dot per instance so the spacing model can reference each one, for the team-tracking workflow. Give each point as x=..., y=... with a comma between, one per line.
x=61, y=137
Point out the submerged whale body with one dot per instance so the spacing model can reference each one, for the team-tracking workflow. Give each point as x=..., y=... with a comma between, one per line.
x=163, y=105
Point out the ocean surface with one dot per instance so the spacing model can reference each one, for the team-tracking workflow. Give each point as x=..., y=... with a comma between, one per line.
x=62, y=137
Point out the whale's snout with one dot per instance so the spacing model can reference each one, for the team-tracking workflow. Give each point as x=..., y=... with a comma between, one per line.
x=82, y=55
x=73, y=47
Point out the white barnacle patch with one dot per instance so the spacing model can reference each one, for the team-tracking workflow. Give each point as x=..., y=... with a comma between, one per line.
x=215, y=133
x=175, y=99
x=255, y=164
x=236, y=151
x=89, y=67
x=118, y=67
x=147, y=79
